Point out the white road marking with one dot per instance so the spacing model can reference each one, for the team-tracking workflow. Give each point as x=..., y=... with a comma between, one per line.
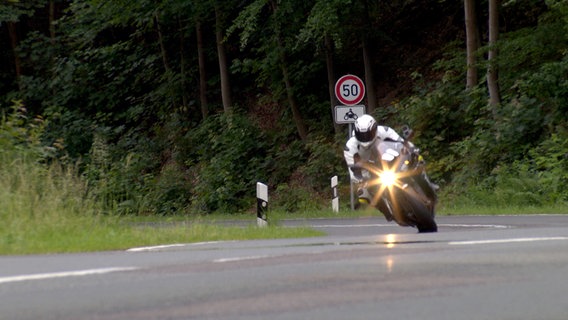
x=154, y=248
x=512, y=240
x=52, y=275
x=170, y=246
x=350, y=225
x=494, y=226
x=240, y=259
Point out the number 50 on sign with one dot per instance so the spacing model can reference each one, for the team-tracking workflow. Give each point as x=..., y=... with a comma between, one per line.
x=349, y=90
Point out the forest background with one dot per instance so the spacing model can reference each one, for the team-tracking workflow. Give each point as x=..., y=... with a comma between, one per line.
x=158, y=107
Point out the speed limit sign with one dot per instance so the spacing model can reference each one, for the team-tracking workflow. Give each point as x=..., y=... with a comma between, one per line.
x=349, y=90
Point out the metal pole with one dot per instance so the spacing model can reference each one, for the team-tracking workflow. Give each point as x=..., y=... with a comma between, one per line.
x=352, y=195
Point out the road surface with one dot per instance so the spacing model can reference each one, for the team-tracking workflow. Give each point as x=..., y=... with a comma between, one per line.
x=475, y=267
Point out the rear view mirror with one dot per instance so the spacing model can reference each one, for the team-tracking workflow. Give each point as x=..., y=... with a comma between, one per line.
x=407, y=132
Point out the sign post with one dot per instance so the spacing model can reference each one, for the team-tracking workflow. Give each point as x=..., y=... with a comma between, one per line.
x=261, y=204
x=349, y=90
x=334, y=194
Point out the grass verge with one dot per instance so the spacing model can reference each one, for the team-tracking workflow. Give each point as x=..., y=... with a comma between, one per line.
x=46, y=209
x=83, y=234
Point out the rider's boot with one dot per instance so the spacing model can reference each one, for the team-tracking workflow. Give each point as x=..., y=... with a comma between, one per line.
x=363, y=198
x=428, y=186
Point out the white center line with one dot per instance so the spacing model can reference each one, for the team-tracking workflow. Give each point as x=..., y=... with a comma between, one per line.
x=222, y=260
x=493, y=226
x=456, y=243
x=350, y=225
x=174, y=245
x=52, y=275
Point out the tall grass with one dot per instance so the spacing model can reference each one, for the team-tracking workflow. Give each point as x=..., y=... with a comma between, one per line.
x=41, y=203
x=47, y=207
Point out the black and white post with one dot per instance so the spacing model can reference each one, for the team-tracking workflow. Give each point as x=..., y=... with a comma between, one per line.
x=261, y=204
x=334, y=194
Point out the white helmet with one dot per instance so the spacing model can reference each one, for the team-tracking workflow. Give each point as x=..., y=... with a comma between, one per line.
x=366, y=130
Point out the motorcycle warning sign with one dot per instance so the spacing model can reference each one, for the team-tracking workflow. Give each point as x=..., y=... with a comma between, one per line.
x=348, y=114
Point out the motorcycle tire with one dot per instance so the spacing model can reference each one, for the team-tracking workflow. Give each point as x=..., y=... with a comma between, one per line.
x=422, y=215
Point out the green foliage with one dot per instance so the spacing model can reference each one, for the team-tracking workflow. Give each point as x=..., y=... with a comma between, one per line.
x=283, y=159
x=442, y=120
x=549, y=162
x=120, y=186
x=227, y=153
x=540, y=180
x=13, y=10
x=294, y=197
x=523, y=51
x=117, y=82
x=305, y=177
x=507, y=155
x=325, y=161
x=20, y=135
x=37, y=197
x=547, y=89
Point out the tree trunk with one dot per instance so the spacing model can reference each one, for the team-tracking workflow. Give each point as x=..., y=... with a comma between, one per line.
x=331, y=80
x=202, y=72
x=298, y=120
x=182, y=64
x=52, y=41
x=492, y=75
x=13, y=31
x=370, y=83
x=161, y=42
x=472, y=43
x=223, y=69
x=51, y=21
x=369, y=76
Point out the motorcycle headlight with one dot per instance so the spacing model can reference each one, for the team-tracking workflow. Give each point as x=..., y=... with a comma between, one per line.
x=387, y=178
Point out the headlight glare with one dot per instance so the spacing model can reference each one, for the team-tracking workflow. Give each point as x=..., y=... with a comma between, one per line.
x=387, y=178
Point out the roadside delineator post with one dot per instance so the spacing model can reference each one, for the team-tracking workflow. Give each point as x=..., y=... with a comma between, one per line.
x=334, y=194
x=261, y=204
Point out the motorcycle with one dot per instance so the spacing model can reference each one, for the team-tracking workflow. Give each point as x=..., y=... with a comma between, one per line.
x=398, y=186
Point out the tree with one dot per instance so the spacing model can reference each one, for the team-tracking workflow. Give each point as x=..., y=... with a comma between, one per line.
x=274, y=44
x=223, y=66
x=322, y=28
x=279, y=21
x=202, y=69
x=366, y=48
x=472, y=43
x=11, y=12
x=492, y=73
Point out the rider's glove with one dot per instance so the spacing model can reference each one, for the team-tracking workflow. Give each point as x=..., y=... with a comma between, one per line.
x=357, y=176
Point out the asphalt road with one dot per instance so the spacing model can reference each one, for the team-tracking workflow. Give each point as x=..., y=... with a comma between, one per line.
x=475, y=267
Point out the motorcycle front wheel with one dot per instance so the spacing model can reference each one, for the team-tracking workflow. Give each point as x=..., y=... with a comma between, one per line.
x=422, y=216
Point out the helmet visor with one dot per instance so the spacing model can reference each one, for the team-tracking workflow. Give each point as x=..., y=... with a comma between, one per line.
x=366, y=136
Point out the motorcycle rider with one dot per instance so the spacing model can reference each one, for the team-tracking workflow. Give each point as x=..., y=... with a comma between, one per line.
x=362, y=146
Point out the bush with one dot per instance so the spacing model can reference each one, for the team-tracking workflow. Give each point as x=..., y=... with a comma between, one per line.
x=228, y=156
x=325, y=161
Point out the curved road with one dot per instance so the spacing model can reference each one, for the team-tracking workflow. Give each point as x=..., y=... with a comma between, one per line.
x=475, y=267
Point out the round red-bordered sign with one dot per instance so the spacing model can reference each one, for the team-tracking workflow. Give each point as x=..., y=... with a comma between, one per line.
x=349, y=90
